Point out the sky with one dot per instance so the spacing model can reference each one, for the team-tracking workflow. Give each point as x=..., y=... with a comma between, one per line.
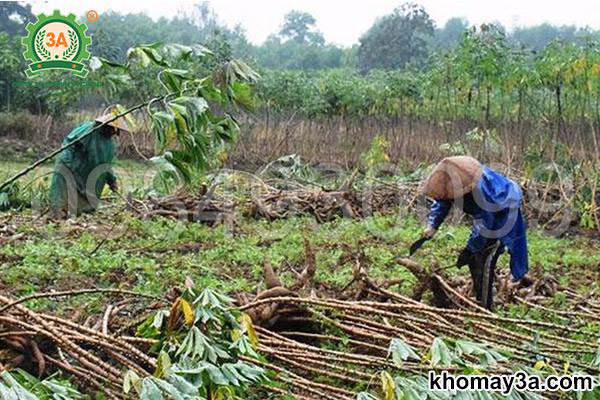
x=343, y=22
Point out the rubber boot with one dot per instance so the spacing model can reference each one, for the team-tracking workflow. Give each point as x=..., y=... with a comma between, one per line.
x=476, y=267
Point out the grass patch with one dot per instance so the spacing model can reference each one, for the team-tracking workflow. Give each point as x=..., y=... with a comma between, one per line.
x=155, y=255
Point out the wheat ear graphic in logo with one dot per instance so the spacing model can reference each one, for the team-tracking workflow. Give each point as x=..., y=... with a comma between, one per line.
x=56, y=42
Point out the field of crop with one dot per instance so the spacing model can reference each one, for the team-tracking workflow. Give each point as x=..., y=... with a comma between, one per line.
x=314, y=265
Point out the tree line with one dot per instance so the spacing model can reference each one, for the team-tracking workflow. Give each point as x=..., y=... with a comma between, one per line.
x=457, y=72
x=406, y=36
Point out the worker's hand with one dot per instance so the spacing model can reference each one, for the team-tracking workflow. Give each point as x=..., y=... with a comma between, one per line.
x=464, y=258
x=429, y=232
x=113, y=186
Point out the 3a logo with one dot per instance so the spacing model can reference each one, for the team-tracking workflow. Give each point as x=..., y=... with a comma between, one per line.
x=56, y=42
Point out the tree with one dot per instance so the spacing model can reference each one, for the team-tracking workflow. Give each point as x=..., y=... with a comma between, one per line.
x=539, y=36
x=484, y=54
x=448, y=36
x=14, y=17
x=298, y=46
x=10, y=60
x=240, y=45
x=396, y=39
x=298, y=26
x=114, y=33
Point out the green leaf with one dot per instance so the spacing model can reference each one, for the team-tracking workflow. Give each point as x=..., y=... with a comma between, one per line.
x=180, y=122
x=179, y=163
x=150, y=391
x=153, y=55
x=440, y=353
x=192, y=105
x=487, y=355
x=251, y=372
x=169, y=389
x=185, y=386
x=163, y=365
x=400, y=351
x=596, y=360
x=216, y=376
x=179, y=51
x=4, y=199
x=163, y=127
x=172, y=79
x=180, y=73
x=231, y=374
x=365, y=396
x=137, y=54
x=131, y=379
x=19, y=391
x=111, y=63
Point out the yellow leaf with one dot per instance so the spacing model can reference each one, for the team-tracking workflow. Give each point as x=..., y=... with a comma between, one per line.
x=248, y=326
x=222, y=156
x=388, y=387
x=188, y=313
x=236, y=334
x=539, y=365
x=170, y=134
x=224, y=392
x=129, y=122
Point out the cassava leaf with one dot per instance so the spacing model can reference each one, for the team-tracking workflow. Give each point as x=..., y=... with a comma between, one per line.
x=440, y=353
x=388, y=387
x=400, y=351
x=188, y=312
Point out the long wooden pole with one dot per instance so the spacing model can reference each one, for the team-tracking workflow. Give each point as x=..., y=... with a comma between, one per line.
x=74, y=142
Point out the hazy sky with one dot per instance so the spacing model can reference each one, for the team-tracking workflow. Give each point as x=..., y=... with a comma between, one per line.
x=343, y=22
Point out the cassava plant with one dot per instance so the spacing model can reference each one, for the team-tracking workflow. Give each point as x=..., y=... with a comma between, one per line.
x=192, y=118
x=466, y=358
x=202, y=347
x=20, y=385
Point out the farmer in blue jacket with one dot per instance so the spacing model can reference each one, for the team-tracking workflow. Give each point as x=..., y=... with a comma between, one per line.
x=494, y=202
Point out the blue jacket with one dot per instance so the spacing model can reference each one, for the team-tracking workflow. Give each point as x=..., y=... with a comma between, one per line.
x=495, y=205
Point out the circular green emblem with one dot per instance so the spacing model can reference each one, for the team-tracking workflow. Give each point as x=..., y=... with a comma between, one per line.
x=56, y=42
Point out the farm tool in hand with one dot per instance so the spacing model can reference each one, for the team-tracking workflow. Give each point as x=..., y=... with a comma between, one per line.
x=417, y=245
x=479, y=264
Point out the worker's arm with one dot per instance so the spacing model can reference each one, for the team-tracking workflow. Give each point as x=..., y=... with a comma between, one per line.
x=438, y=213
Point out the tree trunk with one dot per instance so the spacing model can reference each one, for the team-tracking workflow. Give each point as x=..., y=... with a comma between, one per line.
x=559, y=109
x=487, y=107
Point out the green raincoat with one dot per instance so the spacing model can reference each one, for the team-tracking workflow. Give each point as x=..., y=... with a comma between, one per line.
x=82, y=171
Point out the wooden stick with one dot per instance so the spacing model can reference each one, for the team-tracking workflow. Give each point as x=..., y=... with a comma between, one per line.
x=74, y=142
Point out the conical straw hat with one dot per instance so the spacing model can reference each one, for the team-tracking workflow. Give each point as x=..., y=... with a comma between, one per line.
x=119, y=123
x=453, y=177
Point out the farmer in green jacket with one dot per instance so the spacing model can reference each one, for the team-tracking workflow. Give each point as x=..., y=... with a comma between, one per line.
x=82, y=170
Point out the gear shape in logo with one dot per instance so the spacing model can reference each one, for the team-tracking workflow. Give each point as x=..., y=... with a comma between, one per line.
x=46, y=55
